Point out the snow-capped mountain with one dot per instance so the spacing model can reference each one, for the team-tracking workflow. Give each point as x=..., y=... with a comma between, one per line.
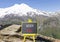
x=21, y=9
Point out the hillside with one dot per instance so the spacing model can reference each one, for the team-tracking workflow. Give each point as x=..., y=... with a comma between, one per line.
x=9, y=34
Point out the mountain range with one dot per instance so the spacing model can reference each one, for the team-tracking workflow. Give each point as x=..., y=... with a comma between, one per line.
x=23, y=9
x=22, y=12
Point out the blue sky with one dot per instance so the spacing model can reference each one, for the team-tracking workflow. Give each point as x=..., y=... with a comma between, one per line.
x=45, y=5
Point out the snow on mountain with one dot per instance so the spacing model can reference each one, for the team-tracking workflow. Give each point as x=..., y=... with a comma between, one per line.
x=20, y=9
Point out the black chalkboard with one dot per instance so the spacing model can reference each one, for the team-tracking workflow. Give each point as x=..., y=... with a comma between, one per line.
x=29, y=28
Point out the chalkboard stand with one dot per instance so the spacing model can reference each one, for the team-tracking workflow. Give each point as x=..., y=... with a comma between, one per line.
x=32, y=35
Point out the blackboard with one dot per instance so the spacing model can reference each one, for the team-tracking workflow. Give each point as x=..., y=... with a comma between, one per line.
x=29, y=28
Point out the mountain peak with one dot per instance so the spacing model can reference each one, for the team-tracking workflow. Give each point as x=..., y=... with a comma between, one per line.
x=22, y=4
x=22, y=8
x=19, y=9
x=16, y=9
